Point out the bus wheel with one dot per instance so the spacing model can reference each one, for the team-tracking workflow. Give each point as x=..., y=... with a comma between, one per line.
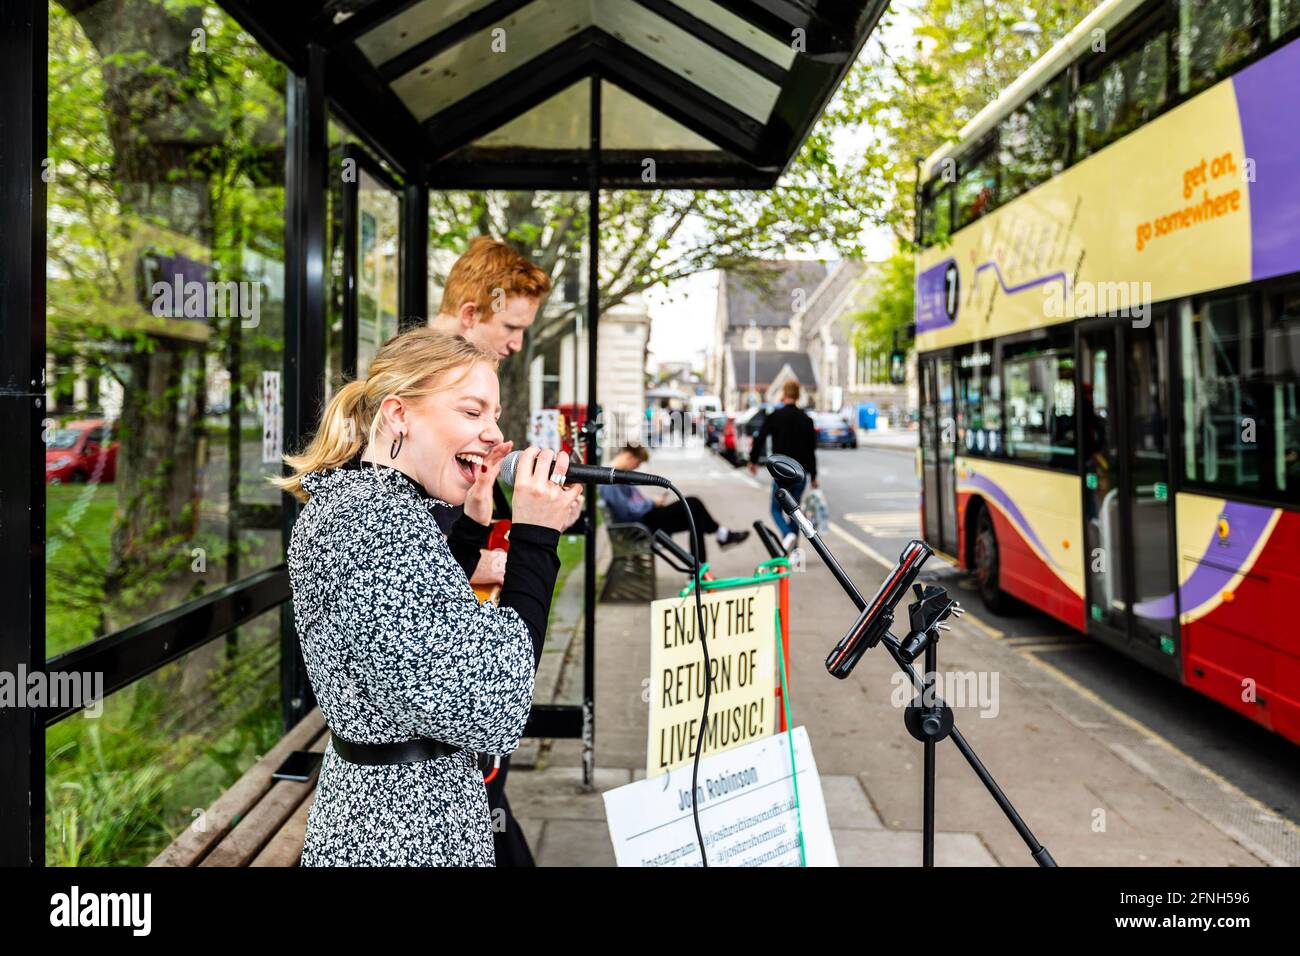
x=986, y=564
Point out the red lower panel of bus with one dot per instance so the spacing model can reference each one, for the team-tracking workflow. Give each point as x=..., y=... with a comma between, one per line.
x=1247, y=647
x=1251, y=641
x=1022, y=572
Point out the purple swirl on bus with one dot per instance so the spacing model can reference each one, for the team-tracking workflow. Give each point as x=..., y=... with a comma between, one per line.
x=1030, y=284
x=995, y=491
x=1223, y=559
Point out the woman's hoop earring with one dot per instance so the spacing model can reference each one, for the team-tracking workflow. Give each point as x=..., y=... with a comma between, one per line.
x=396, y=447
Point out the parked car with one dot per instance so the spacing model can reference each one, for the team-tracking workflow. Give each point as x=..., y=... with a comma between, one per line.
x=713, y=426
x=81, y=451
x=833, y=429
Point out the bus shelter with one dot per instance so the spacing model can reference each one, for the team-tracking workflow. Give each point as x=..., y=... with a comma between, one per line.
x=195, y=125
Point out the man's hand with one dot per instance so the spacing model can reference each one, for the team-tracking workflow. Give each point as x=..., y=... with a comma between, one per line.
x=491, y=568
x=575, y=510
x=478, y=503
x=816, y=483
x=753, y=468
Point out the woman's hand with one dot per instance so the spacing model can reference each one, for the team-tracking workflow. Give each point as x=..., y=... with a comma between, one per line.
x=537, y=499
x=478, y=503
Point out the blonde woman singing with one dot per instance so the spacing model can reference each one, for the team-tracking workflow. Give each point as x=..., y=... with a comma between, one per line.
x=413, y=675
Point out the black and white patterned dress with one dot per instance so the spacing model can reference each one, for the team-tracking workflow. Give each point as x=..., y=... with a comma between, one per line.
x=397, y=646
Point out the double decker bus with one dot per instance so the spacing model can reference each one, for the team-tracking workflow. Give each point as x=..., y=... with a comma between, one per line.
x=1108, y=333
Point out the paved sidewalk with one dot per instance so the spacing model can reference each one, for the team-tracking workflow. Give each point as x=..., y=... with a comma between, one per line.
x=1095, y=787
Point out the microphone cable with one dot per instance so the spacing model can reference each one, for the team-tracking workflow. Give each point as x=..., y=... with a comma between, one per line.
x=708, y=671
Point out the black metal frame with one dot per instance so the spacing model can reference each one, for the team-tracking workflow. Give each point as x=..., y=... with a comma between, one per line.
x=23, y=55
x=466, y=26
x=348, y=227
x=753, y=154
x=306, y=160
x=413, y=271
x=593, y=444
x=132, y=653
x=413, y=229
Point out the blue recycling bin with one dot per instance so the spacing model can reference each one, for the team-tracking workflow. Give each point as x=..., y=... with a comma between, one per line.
x=867, y=416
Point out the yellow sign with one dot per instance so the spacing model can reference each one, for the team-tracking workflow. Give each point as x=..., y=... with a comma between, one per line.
x=740, y=630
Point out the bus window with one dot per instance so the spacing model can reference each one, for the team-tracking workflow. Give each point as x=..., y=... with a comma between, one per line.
x=1221, y=360
x=929, y=449
x=936, y=213
x=1282, y=369
x=1213, y=38
x=1120, y=93
x=979, y=404
x=1242, y=385
x=1038, y=386
x=1033, y=140
x=976, y=188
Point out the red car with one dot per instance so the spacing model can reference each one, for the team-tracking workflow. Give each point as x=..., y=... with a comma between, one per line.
x=81, y=451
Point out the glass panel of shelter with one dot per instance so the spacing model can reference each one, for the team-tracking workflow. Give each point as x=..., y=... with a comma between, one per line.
x=165, y=310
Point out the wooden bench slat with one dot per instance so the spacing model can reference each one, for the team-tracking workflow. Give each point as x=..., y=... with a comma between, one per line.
x=259, y=825
x=285, y=848
x=191, y=846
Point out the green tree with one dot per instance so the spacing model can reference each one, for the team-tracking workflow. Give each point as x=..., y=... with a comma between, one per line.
x=650, y=238
x=877, y=328
x=166, y=141
x=962, y=54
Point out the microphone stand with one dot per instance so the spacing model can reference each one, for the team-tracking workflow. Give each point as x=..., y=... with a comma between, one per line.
x=930, y=720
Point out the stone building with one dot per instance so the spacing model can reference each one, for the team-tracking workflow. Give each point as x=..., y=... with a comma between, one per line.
x=799, y=317
x=758, y=333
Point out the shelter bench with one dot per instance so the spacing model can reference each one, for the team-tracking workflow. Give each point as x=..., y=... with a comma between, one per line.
x=258, y=821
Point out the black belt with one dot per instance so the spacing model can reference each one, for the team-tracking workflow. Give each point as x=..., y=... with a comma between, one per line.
x=401, y=751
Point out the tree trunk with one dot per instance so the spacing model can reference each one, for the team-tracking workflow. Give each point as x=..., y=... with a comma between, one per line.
x=155, y=179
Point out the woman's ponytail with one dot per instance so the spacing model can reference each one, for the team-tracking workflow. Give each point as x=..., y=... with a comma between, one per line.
x=336, y=441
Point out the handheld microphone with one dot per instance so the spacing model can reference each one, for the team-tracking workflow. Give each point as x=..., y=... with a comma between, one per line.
x=877, y=617
x=586, y=474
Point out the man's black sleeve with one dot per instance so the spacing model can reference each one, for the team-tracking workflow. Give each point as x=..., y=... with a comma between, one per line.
x=532, y=565
x=811, y=437
x=760, y=440
x=467, y=539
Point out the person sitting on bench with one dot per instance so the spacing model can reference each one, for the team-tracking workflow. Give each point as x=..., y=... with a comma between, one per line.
x=628, y=504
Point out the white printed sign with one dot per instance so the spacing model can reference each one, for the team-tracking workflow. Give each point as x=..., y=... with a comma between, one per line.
x=544, y=429
x=272, y=419
x=747, y=811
